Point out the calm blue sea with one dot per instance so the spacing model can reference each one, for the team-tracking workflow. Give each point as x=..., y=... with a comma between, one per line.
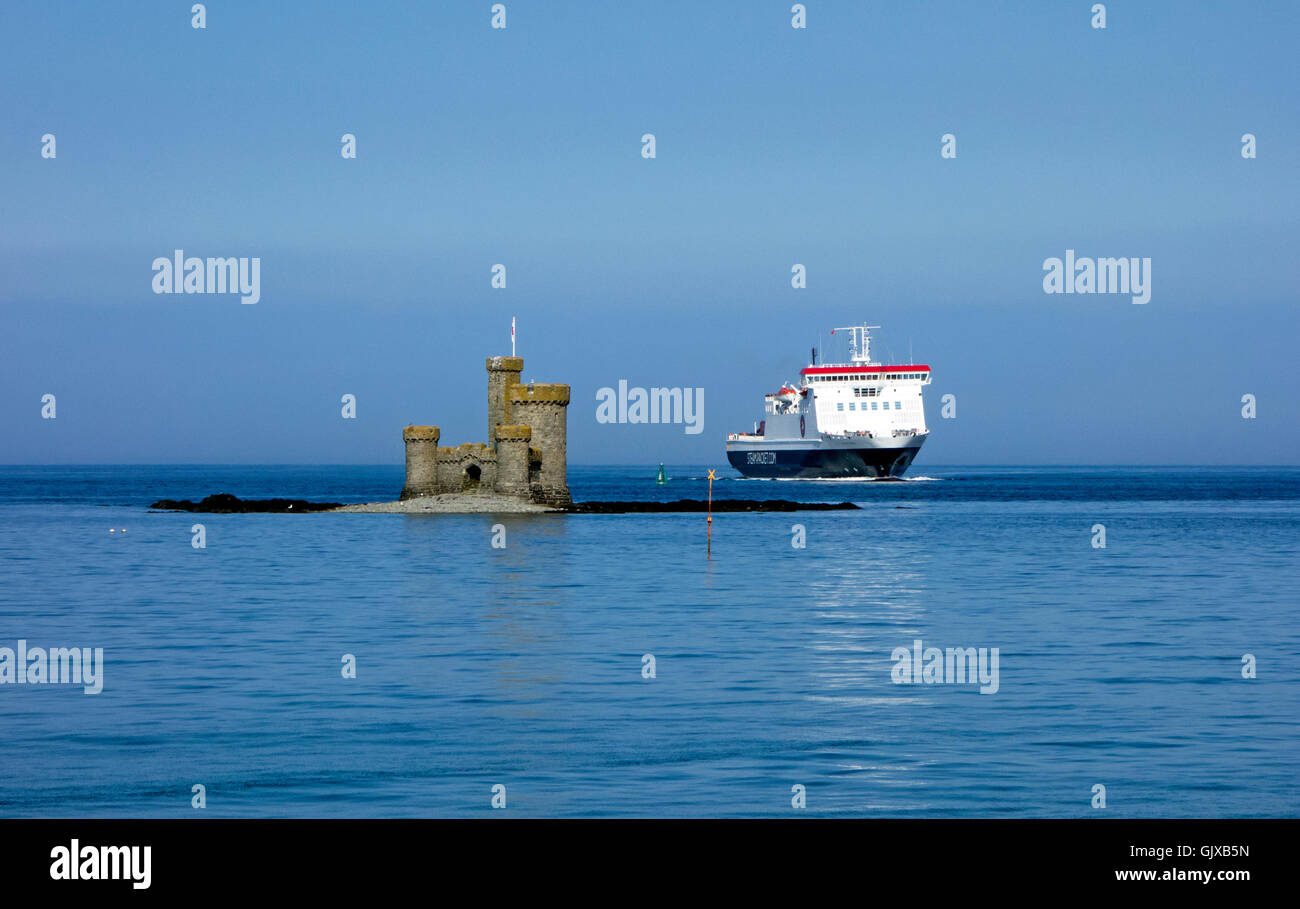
x=522, y=666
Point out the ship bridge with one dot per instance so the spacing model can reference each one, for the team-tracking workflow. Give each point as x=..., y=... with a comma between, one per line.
x=865, y=398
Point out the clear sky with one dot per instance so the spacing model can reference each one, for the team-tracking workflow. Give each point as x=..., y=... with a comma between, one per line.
x=522, y=146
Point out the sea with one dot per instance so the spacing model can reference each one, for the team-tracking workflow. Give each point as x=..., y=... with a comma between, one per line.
x=1144, y=620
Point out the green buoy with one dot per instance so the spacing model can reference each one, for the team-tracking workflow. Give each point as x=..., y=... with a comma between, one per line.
x=661, y=479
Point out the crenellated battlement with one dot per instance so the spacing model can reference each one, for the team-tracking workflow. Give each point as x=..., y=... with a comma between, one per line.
x=420, y=434
x=526, y=452
x=514, y=433
x=467, y=451
x=538, y=393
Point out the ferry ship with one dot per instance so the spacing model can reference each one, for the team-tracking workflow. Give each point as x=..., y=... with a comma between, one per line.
x=855, y=419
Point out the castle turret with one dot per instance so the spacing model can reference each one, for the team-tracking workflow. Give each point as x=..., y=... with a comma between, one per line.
x=421, y=461
x=512, y=460
x=503, y=372
x=544, y=408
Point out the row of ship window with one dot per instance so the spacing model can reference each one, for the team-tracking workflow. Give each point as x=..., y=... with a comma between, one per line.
x=898, y=405
x=886, y=377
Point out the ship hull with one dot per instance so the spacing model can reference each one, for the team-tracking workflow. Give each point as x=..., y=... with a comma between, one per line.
x=820, y=462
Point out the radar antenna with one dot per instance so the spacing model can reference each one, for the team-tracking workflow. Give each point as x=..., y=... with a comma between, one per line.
x=859, y=342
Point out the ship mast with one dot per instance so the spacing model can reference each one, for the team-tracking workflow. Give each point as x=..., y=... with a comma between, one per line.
x=859, y=342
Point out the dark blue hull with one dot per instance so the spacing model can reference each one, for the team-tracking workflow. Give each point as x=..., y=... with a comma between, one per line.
x=823, y=463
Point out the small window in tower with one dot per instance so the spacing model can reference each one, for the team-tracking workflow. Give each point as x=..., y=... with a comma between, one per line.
x=839, y=406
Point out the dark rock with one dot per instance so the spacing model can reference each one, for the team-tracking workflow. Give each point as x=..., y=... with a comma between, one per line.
x=225, y=503
x=721, y=506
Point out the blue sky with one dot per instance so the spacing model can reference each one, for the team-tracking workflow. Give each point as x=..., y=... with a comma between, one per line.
x=522, y=146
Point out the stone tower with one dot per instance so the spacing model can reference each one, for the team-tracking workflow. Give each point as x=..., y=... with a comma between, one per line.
x=544, y=408
x=512, y=460
x=421, y=461
x=502, y=373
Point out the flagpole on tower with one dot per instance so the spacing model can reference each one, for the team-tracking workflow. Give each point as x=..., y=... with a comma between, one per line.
x=512, y=336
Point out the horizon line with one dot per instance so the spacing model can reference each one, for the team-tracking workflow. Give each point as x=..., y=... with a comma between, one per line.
x=398, y=465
